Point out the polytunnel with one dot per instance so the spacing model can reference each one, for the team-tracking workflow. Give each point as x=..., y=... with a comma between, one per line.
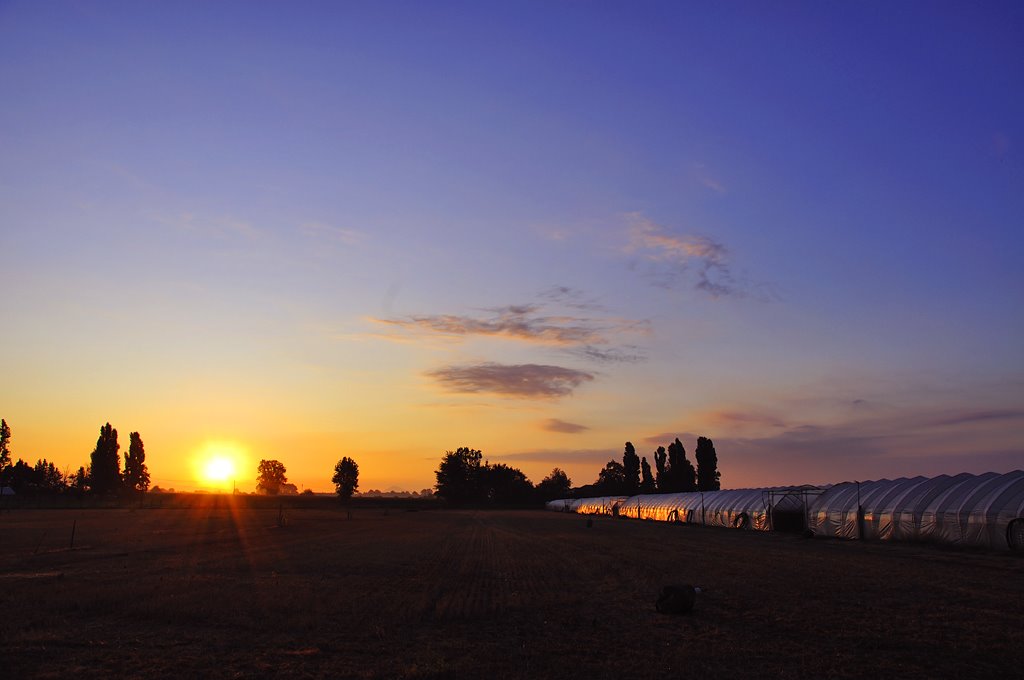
x=983, y=510
x=602, y=505
x=563, y=505
x=778, y=507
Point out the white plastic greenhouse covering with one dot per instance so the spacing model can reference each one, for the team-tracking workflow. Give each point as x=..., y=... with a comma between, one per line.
x=746, y=508
x=984, y=510
x=603, y=505
x=739, y=508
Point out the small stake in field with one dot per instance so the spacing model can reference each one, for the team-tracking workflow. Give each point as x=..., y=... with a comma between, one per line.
x=40, y=544
x=74, y=525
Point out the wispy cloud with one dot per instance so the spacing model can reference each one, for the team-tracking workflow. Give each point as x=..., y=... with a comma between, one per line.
x=660, y=439
x=511, y=380
x=327, y=232
x=698, y=259
x=591, y=338
x=978, y=417
x=518, y=322
x=677, y=260
x=567, y=296
x=556, y=425
x=222, y=227
x=704, y=177
x=734, y=418
x=627, y=354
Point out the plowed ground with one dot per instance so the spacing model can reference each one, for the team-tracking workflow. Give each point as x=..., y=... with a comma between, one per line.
x=226, y=592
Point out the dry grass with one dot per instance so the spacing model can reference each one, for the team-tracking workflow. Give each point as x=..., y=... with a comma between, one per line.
x=221, y=591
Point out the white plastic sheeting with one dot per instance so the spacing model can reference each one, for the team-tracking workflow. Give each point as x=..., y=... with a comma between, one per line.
x=603, y=505
x=738, y=508
x=563, y=505
x=741, y=508
x=983, y=510
x=965, y=509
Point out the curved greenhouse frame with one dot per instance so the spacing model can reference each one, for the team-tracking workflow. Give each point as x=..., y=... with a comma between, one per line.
x=963, y=509
x=982, y=510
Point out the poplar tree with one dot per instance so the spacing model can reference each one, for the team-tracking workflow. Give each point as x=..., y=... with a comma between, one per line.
x=683, y=476
x=136, y=474
x=708, y=476
x=646, y=478
x=631, y=468
x=106, y=464
x=5, y=446
x=661, y=478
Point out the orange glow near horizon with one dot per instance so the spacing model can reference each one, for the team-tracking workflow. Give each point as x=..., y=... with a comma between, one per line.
x=217, y=464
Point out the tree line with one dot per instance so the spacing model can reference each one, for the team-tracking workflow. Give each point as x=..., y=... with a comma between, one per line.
x=673, y=472
x=103, y=475
x=272, y=479
x=465, y=478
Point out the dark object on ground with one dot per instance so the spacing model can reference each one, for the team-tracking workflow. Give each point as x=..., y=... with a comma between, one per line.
x=808, y=533
x=677, y=599
x=590, y=523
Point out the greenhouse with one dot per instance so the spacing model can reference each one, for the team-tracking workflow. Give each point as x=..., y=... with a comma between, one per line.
x=981, y=510
x=984, y=510
x=602, y=505
x=778, y=507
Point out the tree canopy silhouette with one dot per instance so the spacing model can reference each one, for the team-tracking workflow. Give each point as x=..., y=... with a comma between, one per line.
x=505, y=485
x=458, y=476
x=346, y=478
x=631, y=469
x=660, y=463
x=463, y=480
x=681, y=472
x=646, y=478
x=270, y=477
x=611, y=480
x=136, y=474
x=106, y=464
x=5, y=447
x=708, y=476
x=555, y=485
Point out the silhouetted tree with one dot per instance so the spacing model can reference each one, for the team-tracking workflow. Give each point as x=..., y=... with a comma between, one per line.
x=505, y=485
x=611, y=481
x=106, y=464
x=631, y=468
x=646, y=478
x=681, y=473
x=660, y=462
x=554, y=486
x=21, y=477
x=458, y=476
x=270, y=477
x=346, y=478
x=79, y=481
x=136, y=474
x=5, y=447
x=47, y=478
x=708, y=476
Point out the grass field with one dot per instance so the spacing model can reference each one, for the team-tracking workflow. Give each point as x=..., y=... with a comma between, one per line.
x=223, y=591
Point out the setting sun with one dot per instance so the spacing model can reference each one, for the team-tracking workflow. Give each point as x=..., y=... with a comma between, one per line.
x=218, y=464
x=219, y=469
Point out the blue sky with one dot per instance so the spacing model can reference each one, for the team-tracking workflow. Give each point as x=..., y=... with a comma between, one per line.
x=386, y=230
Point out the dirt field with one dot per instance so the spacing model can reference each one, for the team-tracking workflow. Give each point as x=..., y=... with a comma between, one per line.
x=217, y=591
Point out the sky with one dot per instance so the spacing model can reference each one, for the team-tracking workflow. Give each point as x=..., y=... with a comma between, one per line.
x=384, y=230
